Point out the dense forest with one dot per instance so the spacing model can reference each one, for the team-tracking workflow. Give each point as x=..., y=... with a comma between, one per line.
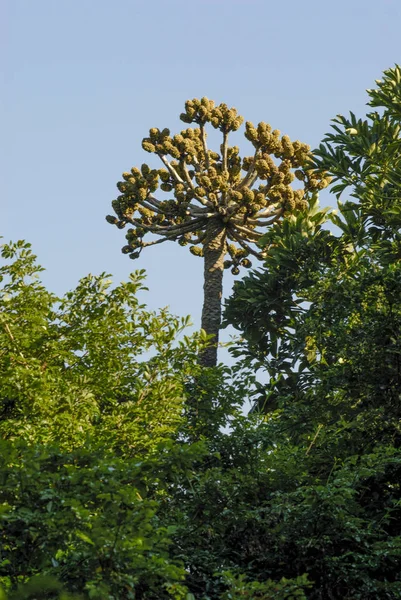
x=128, y=468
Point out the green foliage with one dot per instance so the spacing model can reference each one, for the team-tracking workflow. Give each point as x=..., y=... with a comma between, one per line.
x=323, y=320
x=284, y=589
x=85, y=454
x=364, y=157
x=265, y=307
x=324, y=301
x=84, y=516
x=92, y=362
x=263, y=507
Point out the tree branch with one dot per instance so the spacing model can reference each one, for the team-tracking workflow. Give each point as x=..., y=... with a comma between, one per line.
x=248, y=180
x=191, y=185
x=250, y=233
x=266, y=212
x=158, y=204
x=196, y=164
x=204, y=212
x=205, y=202
x=314, y=440
x=151, y=205
x=231, y=232
x=158, y=241
x=157, y=207
x=204, y=144
x=171, y=169
x=151, y=228
x=192, y=224
x=186, y=175
x=253, y=179
x=10, y=335
x=8, y=330
x=224, y=151
x=265, y=222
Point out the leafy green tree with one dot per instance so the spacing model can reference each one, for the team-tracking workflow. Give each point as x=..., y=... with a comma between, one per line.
x=307, y=262
x=92, y=398
x=364, y=158
x=221, y=202
x=324, y=320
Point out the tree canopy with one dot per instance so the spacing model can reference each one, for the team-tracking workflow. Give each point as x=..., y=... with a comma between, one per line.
x=221, y=203
x=323, y=319
x=84, y=450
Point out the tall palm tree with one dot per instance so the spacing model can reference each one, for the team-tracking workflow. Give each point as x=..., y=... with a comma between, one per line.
x=218, y=202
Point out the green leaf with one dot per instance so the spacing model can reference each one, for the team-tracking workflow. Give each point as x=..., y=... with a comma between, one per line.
x=84, y=537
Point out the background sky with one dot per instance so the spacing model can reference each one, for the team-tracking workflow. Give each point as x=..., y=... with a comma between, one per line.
x=84, y=80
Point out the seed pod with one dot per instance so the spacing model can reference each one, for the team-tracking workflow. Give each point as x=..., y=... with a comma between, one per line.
x=301, y=204
x=164, y=175
x=200, y=191
x=196, y=250
x=245, y=262
x=251, y=133
x=290, y=204
x=148, y=146
x=237, y=123
x=175, y=153
x=202, y=112
x=248, y=194
x=236, y=196
x=288, y=148
x=142, y=193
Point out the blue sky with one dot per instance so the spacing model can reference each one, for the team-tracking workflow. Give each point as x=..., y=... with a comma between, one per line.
x=84, y=80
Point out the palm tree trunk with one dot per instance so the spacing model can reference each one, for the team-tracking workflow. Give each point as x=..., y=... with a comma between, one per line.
x=214, y=250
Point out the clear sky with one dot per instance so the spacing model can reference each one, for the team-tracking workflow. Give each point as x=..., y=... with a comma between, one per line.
x=84, y=80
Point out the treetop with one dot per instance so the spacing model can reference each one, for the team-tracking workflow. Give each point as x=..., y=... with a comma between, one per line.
x=242, y=194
